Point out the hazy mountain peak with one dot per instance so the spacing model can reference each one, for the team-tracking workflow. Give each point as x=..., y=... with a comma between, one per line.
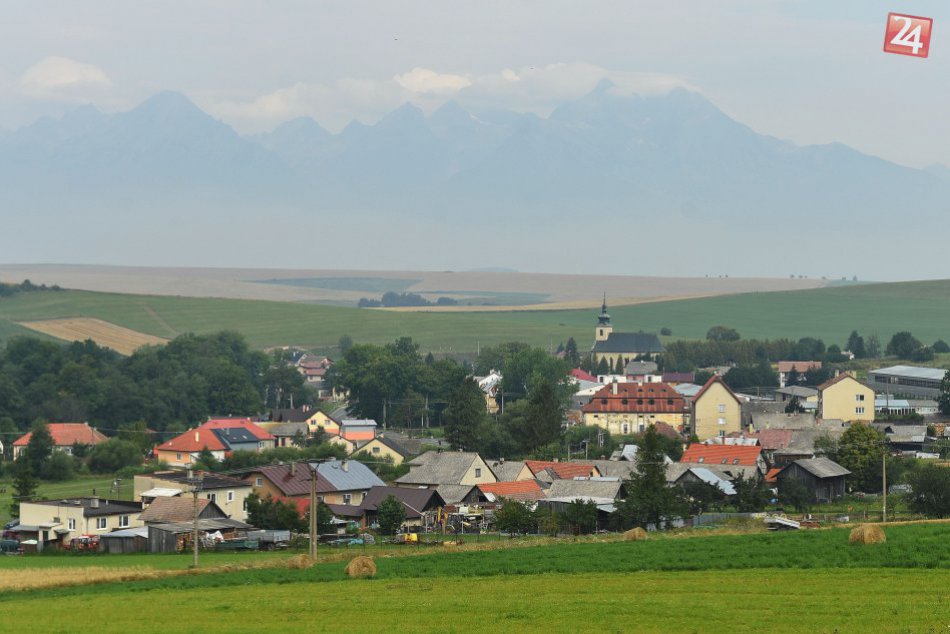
x=406, y=114
x=168, y=101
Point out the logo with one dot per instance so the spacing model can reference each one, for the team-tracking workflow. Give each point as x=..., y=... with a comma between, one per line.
x=907, y=35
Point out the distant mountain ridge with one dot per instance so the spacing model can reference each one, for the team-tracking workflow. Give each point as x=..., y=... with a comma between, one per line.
x=661, y=165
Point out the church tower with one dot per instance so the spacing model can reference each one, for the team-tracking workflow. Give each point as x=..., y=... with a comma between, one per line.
x=604, y=328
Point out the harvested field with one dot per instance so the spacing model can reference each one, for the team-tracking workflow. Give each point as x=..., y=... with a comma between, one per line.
x=122, y=340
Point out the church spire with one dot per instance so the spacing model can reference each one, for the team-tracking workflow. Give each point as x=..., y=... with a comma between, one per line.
x=604, y=319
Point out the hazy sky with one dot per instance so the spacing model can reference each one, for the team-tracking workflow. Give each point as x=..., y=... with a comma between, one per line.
x=803, y=71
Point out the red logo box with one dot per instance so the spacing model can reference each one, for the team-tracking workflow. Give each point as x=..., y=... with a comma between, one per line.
x=907, y=35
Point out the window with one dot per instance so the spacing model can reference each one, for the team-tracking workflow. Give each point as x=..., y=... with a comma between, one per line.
x=722, y=421
x=626, y=428
x=347, y=498
x=859, y=398
x=102, y=522
x=722, y=408
x=375, y=449
x=177, y=456
x=702, y=459
x=478, y=472
x=245, y=504
x=319, y=498
x=651, y=400
x=858, y=410
x=71, y=523
x=722, y=433
x=259, y=482
x=735, y=461
x=123, y=521
x=230, y=496
x=624, y=401
x=213, y=497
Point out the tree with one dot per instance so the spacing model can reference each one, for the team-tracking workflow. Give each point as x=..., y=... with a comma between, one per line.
x=271, y=514
x=40, y=446
x=345, y=343
x=793, y=377
x=24, y=484
x=581, y=516
x=390, y=514
x=514, y=518
x=794, y=406
x=649, y=502
x=856, y=345
x=206, y=460
x=930, y=493
x=944, y=400
x=940, y=346
x=464, y=413
x=543, y=416
x=860, y=451
x=115, y=454
x=59, y=467
x=793, y=492
x=722, y=333
x=902, y=345
x=873, y=347
x=922, y=354
x=571, y=354
x=603, y=367
x=666, y=332
x=701, y=496
x=751, y=494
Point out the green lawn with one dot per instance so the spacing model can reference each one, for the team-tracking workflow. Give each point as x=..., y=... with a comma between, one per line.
x=828, y=313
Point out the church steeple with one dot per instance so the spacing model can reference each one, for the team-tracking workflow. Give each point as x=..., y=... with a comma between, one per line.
x=603, y=329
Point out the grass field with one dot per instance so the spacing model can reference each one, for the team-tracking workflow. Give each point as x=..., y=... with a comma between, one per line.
x=828, y=313
x=785, y=582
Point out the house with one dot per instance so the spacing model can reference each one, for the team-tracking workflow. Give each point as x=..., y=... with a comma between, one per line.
x=450, y=467
x=773, y=440
x=343, y=482
x=707, y=475
x=824, y=478
x=230, y=494
x=287, y=434
x=219, y=436
x=716, y=410
x=321, y=421
x=549, y=471
x=179, y=509
x=845, y=398
x=600, y=490
x=793, y=392
x=240, y=434
x=358, y=430
x=55, y=523
x=732, y=460
x=65, y=435
x=785, y=368
x=522, y=490
x=629, y=408
x=386, y=446
x=349, y=446
x=422, y=506
x=624, y=346
x=457, y=494
x=506, y=470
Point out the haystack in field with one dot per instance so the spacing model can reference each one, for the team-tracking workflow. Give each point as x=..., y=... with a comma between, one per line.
x=635, y=535
x=867, y=534
x=300, y=562
x=360, y=567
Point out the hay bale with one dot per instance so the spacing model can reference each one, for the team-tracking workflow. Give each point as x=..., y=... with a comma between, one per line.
x=635, y=535
x=361, y=567
x=300, y=562
x=867, y=534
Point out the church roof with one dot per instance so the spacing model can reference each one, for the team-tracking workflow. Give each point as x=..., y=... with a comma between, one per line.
x=632, y=342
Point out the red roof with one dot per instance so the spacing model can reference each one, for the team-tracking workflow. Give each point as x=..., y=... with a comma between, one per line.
x=243, y=423
x=716, y=379
x=799, y=366
x=67, y=435
x=653, y=398
x=772, y=439
x=537, y=466
x=580, y=375
x=518, y=490
x=562, y=470
x=193, y=440
x=741, y=455
x=837, y=379
x=770, y=476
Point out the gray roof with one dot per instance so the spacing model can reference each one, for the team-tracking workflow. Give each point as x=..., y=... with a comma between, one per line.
x=416, y=501
x=358, y=422
x=506, y=471
x=289, y=429
x=454, y=493
x=631, y=342
x=596, y=488
x=803, y=440
x=612, y=468
x=432, y=468
x=798, y=390
x=405, y=447
x=912, y=372
x=356, y=476
x=640, y=367
x=203, y=525
x=235, y=436
x=714, y=478
x=822, y=467
x=784, y=421
x=104, y=506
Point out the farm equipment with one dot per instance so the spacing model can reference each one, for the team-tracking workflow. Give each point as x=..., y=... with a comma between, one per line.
x=10, y=547
x=271, y=539
x=241, y=543
x=84, y=544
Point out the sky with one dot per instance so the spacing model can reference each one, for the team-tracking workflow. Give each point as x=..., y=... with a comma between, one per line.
x=802, y=71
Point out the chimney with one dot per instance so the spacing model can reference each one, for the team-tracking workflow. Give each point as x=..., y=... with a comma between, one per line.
x=293, y=469
x=94, y=503
x=345, y=465
x=197, y=436
x=614, y=387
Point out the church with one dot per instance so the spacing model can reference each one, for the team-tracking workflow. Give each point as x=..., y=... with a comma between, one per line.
x=627, y=346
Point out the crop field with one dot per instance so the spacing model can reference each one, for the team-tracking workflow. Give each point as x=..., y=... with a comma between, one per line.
x=828, y=313
x=122, y=340
x=784, y=582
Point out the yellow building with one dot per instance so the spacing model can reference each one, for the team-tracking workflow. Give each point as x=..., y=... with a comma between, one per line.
x=845, y=398
x=629, y=408
x=383, y=447
x=625, y=346
x=717, y=411
x=321, y=421
x=230, y=494
x=57, y=522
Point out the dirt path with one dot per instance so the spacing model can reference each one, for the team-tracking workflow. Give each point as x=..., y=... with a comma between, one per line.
x=161, y=322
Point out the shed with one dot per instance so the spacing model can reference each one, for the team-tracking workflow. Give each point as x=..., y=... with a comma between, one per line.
x=175, y=537
x=129, y=540
x=824, y=478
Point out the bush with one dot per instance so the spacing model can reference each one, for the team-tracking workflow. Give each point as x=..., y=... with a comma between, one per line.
x=59, y=466
x=113, y=455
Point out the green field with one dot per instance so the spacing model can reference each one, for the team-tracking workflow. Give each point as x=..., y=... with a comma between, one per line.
x=829, y=313
x=782, y=582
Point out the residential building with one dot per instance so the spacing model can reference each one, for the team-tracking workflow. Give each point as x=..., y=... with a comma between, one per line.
x=847, y=399
x=625, y=346
x=386, y=446
x=230, y=494
x=321, y=421
x=287, y=434
x=522, y=491
x=549, y=471
x=907, y=381
x=179, y=509
x=799, y=367
x=240, y=434
x=824, y=478
x=422, y=506
x=599, y=490
x=220, y=436
x=358, y=430
x=55, y=523
x=629, y=408
x=708, y=475
x=793, y=392
x=716, y=410
x=343, y=482
x=732, y=460
x=434, y=468
x=65, y=436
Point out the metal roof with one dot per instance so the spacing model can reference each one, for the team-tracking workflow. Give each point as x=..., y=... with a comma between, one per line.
x=139, y=531
x=912, y=372
x=161, y=492
x=714, y=479
x=584, y=489
x=353, y=476
x=821, y=467
x=203, y=525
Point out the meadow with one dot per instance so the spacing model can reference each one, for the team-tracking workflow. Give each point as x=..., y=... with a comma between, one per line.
x=828, y=313
x=685, y=583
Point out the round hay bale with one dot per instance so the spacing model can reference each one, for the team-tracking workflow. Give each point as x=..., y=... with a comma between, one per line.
x=361, y=567
x=635, y=535
x=867, y=534
x=300, y=562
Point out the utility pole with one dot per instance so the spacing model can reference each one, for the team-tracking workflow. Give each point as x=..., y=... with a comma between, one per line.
x=313, y=510
x=195, y=483
x=884, y=484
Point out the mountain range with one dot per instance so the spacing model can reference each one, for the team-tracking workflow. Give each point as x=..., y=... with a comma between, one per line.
x=606, y=183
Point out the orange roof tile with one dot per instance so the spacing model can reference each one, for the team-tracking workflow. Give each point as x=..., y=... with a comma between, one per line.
x=716, y=379
x=67, y=435
x=518, y=490
x=193, y=440
x=243, y=423
x=636, y=398
x=770, y=476
x=741, y=455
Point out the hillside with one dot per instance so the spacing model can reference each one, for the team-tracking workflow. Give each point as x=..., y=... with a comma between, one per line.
x=830, y=313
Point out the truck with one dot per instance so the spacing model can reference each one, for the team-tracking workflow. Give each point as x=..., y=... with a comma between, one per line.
x=270, y=539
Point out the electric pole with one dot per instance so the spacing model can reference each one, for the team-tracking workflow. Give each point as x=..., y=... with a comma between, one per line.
x=195, y=483
x=884, y=484
x=313, y=510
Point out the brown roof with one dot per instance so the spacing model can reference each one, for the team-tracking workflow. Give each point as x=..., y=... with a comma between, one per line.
x=772, y=439
x=291, y=484
x=716, y=379
x=636, y=398
x=838, y=379
x=177, y=509
x=799, y=366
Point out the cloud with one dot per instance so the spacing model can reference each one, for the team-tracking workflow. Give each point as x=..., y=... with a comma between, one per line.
x=60, y=78
x=527, y=89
